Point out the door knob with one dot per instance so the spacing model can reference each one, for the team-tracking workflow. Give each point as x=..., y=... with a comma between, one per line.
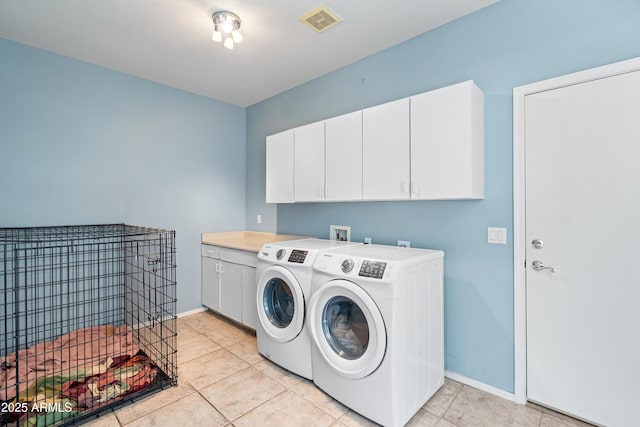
x=539, y=266
x=537, y=243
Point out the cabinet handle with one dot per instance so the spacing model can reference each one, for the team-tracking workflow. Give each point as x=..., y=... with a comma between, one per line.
x=415, y=190
x=221, y=269
x=405, y=187
x=327, y=193
x=290, y=194
x=320, y=193
x=217, y=268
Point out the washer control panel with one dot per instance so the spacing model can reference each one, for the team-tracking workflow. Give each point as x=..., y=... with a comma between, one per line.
x=373, y=269
x=298, y=256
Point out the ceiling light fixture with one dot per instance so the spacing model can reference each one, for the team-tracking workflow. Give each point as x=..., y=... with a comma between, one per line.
x=226, y=28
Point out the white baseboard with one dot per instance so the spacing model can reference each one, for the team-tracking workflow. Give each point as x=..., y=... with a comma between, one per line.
x=190, y=312
x=480, y=386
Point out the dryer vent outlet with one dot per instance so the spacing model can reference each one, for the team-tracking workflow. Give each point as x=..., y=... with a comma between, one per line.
x=320, y=19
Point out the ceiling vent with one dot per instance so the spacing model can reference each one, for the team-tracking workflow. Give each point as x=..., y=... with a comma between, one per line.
x=320, y=18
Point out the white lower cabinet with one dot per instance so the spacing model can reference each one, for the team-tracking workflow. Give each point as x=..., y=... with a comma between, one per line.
x=211, y=283
x=227, y=277
x=249, y=290
x=231, y=290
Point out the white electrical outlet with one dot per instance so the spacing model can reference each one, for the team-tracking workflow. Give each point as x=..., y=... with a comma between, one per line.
x=404, y=243
x=259, y=219
x=497, y=235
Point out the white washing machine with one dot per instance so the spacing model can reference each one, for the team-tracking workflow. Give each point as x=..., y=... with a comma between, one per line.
x=283, y=291
x=376, y=323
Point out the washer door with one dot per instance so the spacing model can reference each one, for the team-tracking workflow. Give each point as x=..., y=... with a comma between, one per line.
x=280, y=303
x=347, y=328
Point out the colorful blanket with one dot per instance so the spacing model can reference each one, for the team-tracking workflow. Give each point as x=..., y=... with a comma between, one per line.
x=54, y=397
x=76, y=350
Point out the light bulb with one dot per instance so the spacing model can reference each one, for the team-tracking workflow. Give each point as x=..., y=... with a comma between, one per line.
x=217, y=36
x=237, y=37
x=226, y=26
x=228, y=43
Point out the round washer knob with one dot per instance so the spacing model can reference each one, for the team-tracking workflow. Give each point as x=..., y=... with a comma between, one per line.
x=280, y=254
x=347, y=265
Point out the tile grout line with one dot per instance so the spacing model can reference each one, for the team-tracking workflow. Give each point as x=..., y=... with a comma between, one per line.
x=212, y=405
x=261, y=404
x=449, y=405
x=318, y=407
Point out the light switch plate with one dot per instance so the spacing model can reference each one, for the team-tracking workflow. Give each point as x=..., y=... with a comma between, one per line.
x=497, y=235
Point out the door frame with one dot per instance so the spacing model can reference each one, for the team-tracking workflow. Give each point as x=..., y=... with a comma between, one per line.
x=519, y=200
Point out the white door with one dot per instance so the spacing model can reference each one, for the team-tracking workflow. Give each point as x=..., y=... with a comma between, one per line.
x=249, y=289
x=231, y=290
x=279, y=168
x=343, y=141
x=211, y=283
x=582, y=174
x=280, y=304
x=347, y=328
x=447, y=143
x=385, y=151
x=309, y=162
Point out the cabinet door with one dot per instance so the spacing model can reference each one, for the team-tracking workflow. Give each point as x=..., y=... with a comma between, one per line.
x=249, y=290
x=211, y=283
x=231, y=290
x=279, y=176
x=309, y=162
x=385, y=151
x=343, y=159
x=447, y=143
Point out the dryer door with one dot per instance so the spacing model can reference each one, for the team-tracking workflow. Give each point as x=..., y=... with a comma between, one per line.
x=280, y=304
x=347, y=328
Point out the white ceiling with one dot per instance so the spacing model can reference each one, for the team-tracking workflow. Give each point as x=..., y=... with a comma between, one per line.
x=169, y=41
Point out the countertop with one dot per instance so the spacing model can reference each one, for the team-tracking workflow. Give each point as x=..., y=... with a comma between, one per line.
x=250, y=241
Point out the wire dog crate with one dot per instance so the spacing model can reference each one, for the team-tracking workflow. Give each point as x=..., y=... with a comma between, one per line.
x=87, y=320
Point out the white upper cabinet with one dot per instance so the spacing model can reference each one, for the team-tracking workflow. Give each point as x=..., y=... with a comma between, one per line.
x=425, y=147
x=309, y=162
x=447, y=143
x=279, y=177
x=385, y=151
x=343, y=145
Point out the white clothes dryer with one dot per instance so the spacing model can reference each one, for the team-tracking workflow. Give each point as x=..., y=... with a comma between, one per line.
x=283, y=290
x=376, y=323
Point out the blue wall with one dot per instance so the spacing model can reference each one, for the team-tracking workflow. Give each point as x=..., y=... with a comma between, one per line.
x=511, y=43
x=80, y=144
x=83, y=144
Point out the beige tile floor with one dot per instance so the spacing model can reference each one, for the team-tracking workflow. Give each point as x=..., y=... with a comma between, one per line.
x=223, y=381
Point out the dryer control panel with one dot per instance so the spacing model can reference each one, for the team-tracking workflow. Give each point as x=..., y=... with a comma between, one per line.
x=373, y=269
x=353, y=266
